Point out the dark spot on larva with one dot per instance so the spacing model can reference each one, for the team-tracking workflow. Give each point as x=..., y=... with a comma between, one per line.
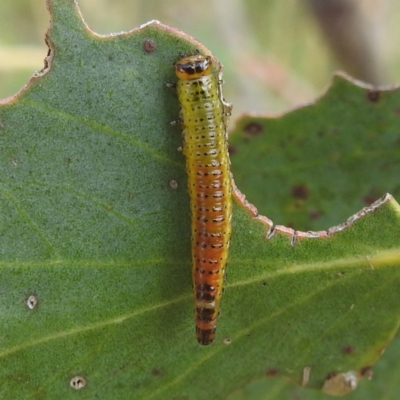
x=205, y=314
x=253, y=128
x=314, y=214
x=264, y=283
x=149, y=45
x=271, y=372
x=300, y=192
x=203, y=296
x=205, y=336
x=205, y=286
x=348, y=349
x=341, y=273
x=369, y=199
x=68, y=160
x=110, y=57
x=156, y=372
x=373, y=95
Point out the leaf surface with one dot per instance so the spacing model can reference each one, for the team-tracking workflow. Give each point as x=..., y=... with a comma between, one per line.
x=95, y=245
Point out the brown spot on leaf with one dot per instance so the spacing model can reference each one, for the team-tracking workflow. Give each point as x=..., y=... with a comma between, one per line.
x=156, y=372
x=300, y=192
x=149, y=45
x=253, y=128
x=314, y=214
x=373, y=95
x=369, y=199
x=330, y=375
x=272, y=372
x=348, y=349
x=365, y=370
x=231, y=149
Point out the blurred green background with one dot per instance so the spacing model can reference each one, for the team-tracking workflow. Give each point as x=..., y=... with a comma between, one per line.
x=277, y=54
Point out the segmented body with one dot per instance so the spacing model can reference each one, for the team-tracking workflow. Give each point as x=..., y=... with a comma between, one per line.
x=204, y=115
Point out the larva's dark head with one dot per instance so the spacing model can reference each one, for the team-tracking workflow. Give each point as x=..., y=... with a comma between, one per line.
x=193, y=66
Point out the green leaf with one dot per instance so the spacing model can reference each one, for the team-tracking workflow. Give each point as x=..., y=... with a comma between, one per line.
x=382, y=383
x=315, y=166
x=95, y=286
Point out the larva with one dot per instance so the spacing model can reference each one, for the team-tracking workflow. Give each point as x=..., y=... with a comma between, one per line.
x=204, y=117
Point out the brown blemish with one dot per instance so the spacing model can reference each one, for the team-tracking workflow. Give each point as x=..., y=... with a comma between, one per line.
x=49, y=55
x=366, y=372
x=330, y=375
x=300, y=192
x=348, y=349
x=231, y=149
x=156, y=372
x=149, y=45
x=369, y=199
x=373, y=95
x=272, y=372
x=131, y=195
x=314, y=214
x=253, y=128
